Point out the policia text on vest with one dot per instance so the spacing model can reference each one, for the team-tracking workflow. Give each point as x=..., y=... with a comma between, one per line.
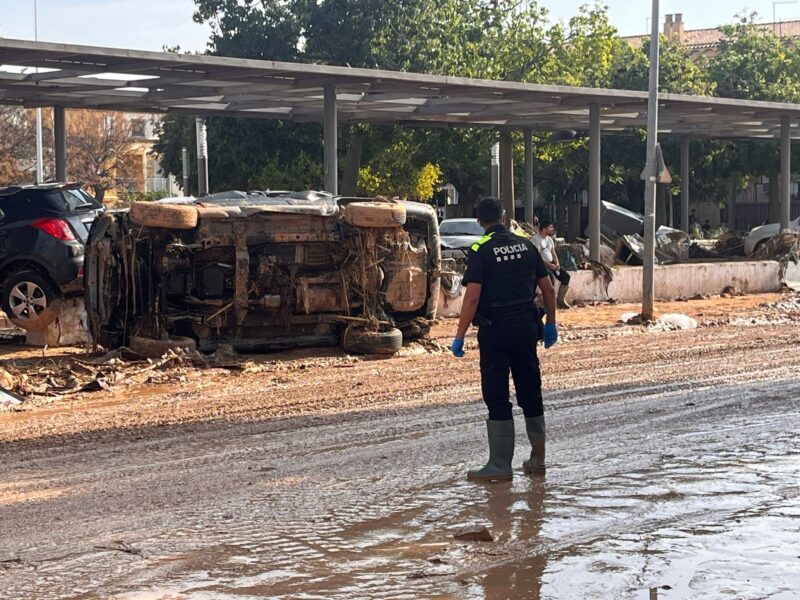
x=503, y=272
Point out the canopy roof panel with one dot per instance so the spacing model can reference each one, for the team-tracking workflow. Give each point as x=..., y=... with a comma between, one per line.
x=47, y=74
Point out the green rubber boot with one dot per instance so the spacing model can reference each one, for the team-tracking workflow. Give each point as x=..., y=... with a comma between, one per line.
x=537, y=436
x=501, y=452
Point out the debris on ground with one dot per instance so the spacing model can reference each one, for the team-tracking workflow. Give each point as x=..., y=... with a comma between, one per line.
x=63, y=376
x=424, y=573
x=703, y=250
x=121, y=546
x=783, y=247
x=730, y=243
x=474, y=533
x=676, y=321
x=666, y=322
x=631, y=318
x=43, y=377
x=9, y=398
x=731, y=291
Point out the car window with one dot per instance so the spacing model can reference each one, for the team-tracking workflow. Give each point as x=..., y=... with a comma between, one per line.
x=19, y=207
x=460, y=228
x=72, y=200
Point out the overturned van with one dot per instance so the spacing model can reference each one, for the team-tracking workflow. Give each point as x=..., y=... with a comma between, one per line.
x=264, y=272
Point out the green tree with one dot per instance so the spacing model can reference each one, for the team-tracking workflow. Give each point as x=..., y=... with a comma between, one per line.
x=755, y=64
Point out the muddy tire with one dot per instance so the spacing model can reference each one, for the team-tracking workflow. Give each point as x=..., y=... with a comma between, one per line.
x=150, y=348
x=375, y=214
x=360, y=341
x=414, y=331
x=166, y=216
x=30, y=300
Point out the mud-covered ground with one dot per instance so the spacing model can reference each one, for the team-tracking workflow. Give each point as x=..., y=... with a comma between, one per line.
x=673, y=471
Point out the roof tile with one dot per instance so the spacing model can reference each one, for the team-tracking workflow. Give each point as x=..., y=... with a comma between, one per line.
x=708, y=38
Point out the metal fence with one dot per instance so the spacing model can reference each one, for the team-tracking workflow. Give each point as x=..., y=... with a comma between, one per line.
x=156, y=184
x=747, y=215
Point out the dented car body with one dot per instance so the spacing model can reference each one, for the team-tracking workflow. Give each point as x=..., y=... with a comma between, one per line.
x=265, y=273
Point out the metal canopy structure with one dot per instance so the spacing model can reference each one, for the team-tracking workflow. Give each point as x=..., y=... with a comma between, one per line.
x=71, y=76
x=35, y=74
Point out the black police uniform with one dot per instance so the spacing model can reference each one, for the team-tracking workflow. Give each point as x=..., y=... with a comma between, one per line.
x=508, y=267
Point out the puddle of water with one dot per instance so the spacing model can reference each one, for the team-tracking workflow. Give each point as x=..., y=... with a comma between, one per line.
x=717, y=517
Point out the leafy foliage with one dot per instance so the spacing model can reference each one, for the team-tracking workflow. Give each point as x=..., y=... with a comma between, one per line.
x=754, y=63
x=17, y=146
x=100, y=156
x=101, y=149
x=495, y=39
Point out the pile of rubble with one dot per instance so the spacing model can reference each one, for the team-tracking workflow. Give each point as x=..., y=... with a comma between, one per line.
x=62, y=376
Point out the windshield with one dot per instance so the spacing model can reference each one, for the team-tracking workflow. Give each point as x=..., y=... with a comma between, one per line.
x=466, y=227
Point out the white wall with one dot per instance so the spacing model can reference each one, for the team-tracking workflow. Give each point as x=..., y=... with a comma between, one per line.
x=678, y=281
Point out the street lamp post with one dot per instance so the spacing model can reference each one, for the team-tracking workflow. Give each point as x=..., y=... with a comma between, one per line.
x=202, y=157
x=495, y=172
x=185, y=169
x=650, y=175
x=39, y=159
x=774, y=12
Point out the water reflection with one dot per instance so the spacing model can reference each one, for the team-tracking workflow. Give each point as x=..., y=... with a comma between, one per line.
x=517, y=513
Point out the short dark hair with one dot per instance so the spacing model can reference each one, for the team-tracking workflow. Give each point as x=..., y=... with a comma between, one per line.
x=545, y=224
x=490, y=210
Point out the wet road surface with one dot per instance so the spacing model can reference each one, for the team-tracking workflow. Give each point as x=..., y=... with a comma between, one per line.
x=673, y=473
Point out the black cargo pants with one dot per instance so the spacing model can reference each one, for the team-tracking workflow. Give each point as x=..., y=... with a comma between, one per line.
x=510, y=346
x=562, y=276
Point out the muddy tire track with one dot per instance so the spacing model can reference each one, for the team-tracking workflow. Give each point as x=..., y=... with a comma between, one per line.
x=317, y=485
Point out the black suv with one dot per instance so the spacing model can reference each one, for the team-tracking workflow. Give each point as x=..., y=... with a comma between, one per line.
x=43, y=229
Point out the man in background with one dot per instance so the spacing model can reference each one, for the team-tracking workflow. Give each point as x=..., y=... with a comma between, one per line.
x=545, y=243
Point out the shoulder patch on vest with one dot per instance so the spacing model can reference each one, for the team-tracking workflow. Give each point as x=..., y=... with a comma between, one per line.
x=477, y=245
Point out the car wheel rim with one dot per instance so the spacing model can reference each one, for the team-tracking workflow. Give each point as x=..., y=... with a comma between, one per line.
x=27, y=300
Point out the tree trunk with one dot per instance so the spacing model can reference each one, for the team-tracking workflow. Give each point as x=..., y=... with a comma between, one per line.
x=774, y=211
x=573, y=221
x=352, y=164
x=99, y=193
x=561, y=215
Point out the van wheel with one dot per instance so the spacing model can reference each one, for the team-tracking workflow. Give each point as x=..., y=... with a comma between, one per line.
x=166, y=216
x=360, y=341
x=30, y=300
x=759, y=246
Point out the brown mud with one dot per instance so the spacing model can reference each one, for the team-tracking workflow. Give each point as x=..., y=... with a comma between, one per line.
x=673, y=467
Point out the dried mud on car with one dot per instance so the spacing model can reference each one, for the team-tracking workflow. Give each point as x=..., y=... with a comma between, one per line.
x=265, y=272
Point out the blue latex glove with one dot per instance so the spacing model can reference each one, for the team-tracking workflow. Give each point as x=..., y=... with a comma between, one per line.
x=550, y=334
x=457, y=347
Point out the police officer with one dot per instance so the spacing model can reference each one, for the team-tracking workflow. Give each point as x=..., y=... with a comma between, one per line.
x=502, y=273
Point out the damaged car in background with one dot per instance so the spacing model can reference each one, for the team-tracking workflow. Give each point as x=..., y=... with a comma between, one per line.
x=264, y=272
x=623, y=231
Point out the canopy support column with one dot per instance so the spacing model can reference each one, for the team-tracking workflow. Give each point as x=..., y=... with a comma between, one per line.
x=594, y=182
x=330, y=134
x=685, y=184
x=60, y=135
x=528, y=138
x=507, y=175
x=786, y=172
